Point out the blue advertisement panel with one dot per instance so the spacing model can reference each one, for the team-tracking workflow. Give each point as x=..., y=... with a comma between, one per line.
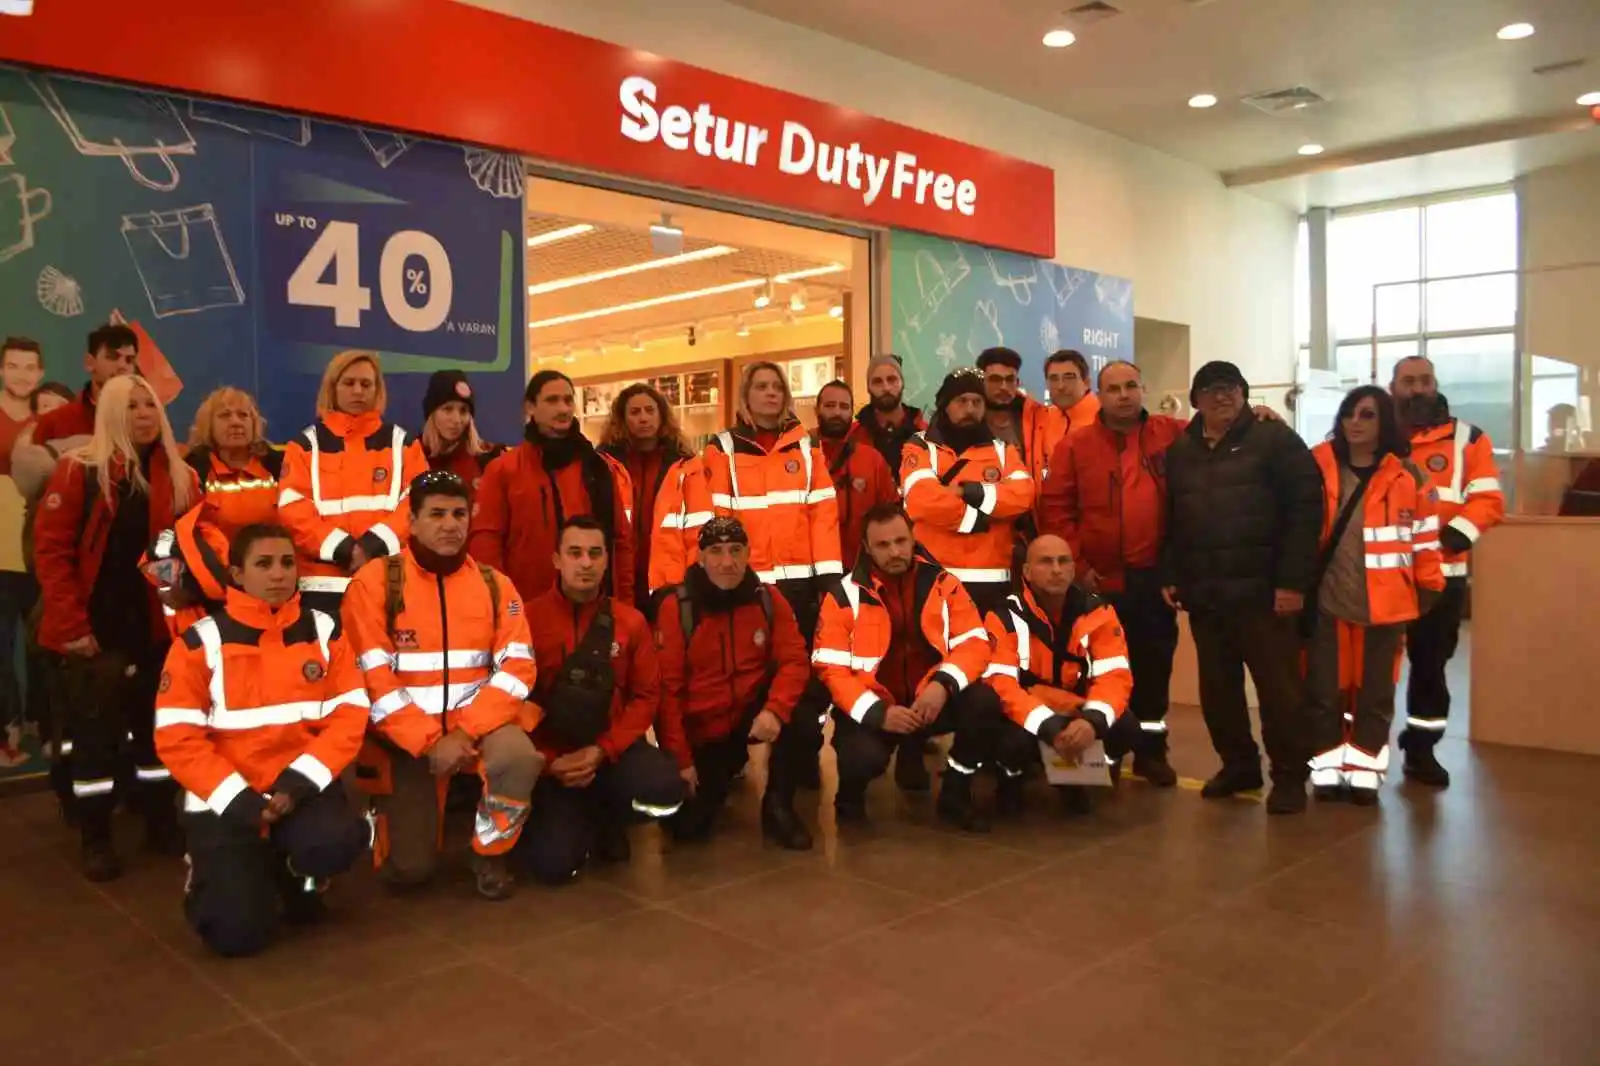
x=950, y=300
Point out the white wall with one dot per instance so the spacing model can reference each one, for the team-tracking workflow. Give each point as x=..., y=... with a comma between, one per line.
x=1560, y=217
x=1220, y=261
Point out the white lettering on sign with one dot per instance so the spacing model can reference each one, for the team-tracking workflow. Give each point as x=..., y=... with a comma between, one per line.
x=800, y=154
x=1100, y=338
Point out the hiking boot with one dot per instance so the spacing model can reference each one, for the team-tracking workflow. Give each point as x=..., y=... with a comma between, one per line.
x=1075, y=801
x=1287, y=797
x=910, y=769
x=956, y=806
x=492, y=880
x=1421, y=765
x=781, y=825
x=1155, y=769
x=1230, y=781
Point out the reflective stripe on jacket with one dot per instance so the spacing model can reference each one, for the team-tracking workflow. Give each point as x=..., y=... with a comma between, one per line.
x=1400, y=532
x=1458, y=459
x=854, y=634
x=238, y=497
x=966, y=507
x=784, y=498
x=201, y=578
x=249, y=693
x=1086, y=657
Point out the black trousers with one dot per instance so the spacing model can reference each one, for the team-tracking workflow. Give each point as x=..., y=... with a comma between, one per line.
x=863, y=753
x=718, y=762
x=239, y=880
x=563, y=822
x=1431, y=643
x=1151, y=629
x=108, y=707
x=1226, y=642
x=21, y=696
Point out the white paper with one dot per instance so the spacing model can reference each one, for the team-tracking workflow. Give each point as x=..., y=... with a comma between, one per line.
x=1092, y=767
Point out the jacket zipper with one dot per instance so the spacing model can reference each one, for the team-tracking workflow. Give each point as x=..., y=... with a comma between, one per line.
x=444, y=638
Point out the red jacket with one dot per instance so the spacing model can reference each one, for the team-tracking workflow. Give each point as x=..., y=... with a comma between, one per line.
x=706, y=687
x=67, y=549
x=466, y=466
x=889, y=441
x=1106, y=496
x=557, y=625
x=75, y=419
x=647, y=473
x=861, y=480
x=520, y=507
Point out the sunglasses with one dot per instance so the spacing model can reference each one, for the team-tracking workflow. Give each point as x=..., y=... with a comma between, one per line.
x=1364, y=415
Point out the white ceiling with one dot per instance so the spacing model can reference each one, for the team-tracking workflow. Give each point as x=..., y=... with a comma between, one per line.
x=1392, y=72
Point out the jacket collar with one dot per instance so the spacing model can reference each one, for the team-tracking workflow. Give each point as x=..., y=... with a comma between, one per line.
x=247, y=610
x=357, y=427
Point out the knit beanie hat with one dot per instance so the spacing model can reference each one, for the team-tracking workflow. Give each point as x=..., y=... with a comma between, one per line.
x=723, y=531
x=885, y=359
x=447, y=386
x=1216, y=372
x=957, y=382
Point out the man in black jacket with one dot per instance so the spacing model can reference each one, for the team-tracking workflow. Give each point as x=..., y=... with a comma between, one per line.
x=1245, y=505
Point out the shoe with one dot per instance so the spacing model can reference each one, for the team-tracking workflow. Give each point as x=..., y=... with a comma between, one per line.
x=611, y=845
x=956, y=806
x=1229, y=781
x=492, y=880
x=692, y=824
x=1075, y=801
x=782, y=826
x=100, y=862
x=910, y=770
x=1330, y=793
x=1008, y=795
x=1421, y=765
x=1287, y=797
x=1115, y=768
x=850, y=808
x=1364, y=797
x=1155, y=769
x=302, y=896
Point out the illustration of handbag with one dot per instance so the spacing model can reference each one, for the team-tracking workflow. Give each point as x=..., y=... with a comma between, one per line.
x=142, y=130
x=16, y=224
x=182, y=260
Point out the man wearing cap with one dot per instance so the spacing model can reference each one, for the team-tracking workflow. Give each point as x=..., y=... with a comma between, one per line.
x=734, y=673
x=887, y=423
x=450, y=431
x=1244, y=500
x=965, y=491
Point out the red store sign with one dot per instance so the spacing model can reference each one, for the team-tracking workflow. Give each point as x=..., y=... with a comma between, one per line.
x=447, y=70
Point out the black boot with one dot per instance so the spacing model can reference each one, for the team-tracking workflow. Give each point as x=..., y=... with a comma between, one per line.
x=1155, y=769
x=1008, y=795
x=781, y=825
x=1420, y=765
x=1288, y=796
x=100, y=862
x=693, y=822
x=956, y=806
x=910, y=770
x=850, y=804
x=1075, y=801
x=301, y=896
x=1229, y=781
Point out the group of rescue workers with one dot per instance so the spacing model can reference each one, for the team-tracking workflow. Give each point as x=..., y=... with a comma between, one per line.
x=345, y=630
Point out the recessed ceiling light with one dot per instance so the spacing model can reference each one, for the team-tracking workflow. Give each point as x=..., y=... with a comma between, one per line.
x=559, y=235
x=631, y=268
x=836, y=309
x=1311, y=149
x=1516, y=31
x=1203, y=100
x=1059, y=38
x=1589, y=100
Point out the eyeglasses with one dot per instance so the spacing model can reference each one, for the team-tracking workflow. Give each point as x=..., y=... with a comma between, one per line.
x=1220, y=390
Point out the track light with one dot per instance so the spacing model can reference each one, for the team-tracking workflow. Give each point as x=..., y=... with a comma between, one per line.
x=741, y=327
x=836, y=309
x=637, y=343
x=764, y=297
x=797, y=300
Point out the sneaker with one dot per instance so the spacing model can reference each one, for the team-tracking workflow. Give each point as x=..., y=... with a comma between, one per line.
x=1229, y=781
x=1155, y=769
x=1287, y=797
x=492, y=880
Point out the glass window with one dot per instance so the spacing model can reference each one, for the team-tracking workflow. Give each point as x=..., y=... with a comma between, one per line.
x=1364, y=250
x=1475, y=375
x=1354, y=362
x=1472, y=303
x=1471, y=236
x=1302, y=286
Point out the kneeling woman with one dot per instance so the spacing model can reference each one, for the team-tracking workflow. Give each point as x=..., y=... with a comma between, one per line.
x=1380, y=570
x=261, y=707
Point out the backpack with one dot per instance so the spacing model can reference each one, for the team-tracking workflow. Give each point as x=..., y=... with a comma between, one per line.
x=394, y=583
x=686, y=615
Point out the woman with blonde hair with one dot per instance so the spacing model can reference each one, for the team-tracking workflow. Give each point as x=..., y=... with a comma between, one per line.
x=450, y=429
x=643, y=436
x=238, y=469
x=343, y=494
x=104, y=504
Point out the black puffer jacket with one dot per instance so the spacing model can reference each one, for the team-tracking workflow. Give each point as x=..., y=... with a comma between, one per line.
x=1244, y=517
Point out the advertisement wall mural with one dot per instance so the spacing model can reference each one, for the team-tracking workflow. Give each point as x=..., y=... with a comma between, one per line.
x=949, y=301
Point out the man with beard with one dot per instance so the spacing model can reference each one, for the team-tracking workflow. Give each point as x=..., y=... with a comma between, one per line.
x=1021, y=421
x=965, y=491
x=887, y=423
x=553, y=475
x=1459, y=462
x=861, y=478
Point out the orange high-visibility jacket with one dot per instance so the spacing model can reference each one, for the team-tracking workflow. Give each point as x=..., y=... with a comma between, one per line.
x=238, y=497
x=1043, y=426
x=785, y=499
x=198, y=569
x=452, y=661
x=254, y=701
x=854, y=634
x=1086, y=655
x=346, y=482
x=683, y=505
x=966, y=506
x=1458, y=458
x=1400, y=527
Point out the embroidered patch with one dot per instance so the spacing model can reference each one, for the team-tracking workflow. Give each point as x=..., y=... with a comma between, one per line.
x=616, y=649
x=759, y=636
x=463, y=390
x=312, y=671
x=991, y=475
x=792, y=466
x=1405, y=514
x=380, y=475
x=514, y=608
x=1437, y=463
x=859, y=483
x=165, y=682
x=405, y=638
x=53, y=501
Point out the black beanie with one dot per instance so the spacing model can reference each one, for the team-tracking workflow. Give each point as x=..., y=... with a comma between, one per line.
x=447, y=386
x=957, y=382
x=723, y=530
x=1216, y=372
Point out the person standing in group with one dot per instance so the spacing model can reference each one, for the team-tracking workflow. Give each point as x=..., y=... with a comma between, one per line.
x=599, y=693
x=1379, y=571
x=105, y=502
x=1066, y=376
x=642, y=435
x=1244, y=504
x=112, y=351
x=1458, y=458
x=450, y=429
x=1017, y=419
x=861, y=479
x=887, y=423
x=734, y=671
x=442, y=643
x=966, y=490
x=1106, y=497
x=533, y=489
x=260, y=708
x=343, y=490
x=21, y=370
x=238, y=469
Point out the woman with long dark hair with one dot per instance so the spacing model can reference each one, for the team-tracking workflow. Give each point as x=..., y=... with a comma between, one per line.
x=1379, y=570
x=643, y=436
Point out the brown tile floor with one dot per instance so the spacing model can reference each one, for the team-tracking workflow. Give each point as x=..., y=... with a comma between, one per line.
x=1454, y=928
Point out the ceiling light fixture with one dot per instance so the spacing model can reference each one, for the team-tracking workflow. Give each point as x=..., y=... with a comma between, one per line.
x=764, y=297
x=633, y=268
x=1059, y=38
x=1516, y=31
x=741, y=327
x=1589, y=100
x=810, y=272
x=637, y=344
x=797, y=300
x=1311, y=149
x=555, y=235
x=640, y=305
x=666, y=238
x=1202, y=100
x=836, y=309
